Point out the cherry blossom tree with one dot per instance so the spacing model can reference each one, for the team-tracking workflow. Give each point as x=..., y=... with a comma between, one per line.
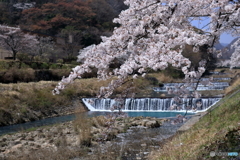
x=152, y=35
x=14, y=39
x=235, y=58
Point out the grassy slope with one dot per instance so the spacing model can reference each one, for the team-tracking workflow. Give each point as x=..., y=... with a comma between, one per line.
x=19, y=100
x=218, y=131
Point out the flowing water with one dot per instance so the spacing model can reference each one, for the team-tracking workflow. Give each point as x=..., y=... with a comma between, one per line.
x=212, y=86
x=61, y=119
x=150, y=104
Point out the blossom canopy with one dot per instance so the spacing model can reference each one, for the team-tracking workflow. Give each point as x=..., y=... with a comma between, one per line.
x=153, y=34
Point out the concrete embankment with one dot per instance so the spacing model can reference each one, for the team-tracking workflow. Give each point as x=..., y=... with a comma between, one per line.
x=194, y=119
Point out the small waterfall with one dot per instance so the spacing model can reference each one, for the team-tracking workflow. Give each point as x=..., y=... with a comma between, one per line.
x=213, y=86
x=217, y=79
x=149, y=104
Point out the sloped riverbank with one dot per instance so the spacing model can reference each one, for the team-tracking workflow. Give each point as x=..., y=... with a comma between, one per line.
x=29, y=115
x=221, y=126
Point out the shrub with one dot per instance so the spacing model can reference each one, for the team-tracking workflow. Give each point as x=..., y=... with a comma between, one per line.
x=69, y=92
x=152, y=80
x=41, y=99
x=162, y=78
x=24, y=65
x=83, y=125
x=4, y=65
x=67, y=66
x=57, y=74
x=44, y=66
x=5, y=117
x=60, y=61
x=41, y=59
x=14, y=75
x=26, y=75
x=34, y=65
x=74, y=62
x=173, y=72
x=55, y=66
x=37, y=58
x=99, y=121
x=23, y=109
x=23, y=57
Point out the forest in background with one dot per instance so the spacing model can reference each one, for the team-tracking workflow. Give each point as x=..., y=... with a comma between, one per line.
x=72, y=24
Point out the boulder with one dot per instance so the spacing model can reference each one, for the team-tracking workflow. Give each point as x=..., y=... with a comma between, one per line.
x=152, y=124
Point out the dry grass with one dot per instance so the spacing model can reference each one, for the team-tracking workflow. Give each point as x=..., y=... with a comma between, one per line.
x=99, y=121
x=184, y=146
x=63, y=153
x=20, y=99
x=235, y=85
x=38, y=95
x=211, y=129
x=19, y=86
x=35, y=92
x=15, y=75
x=82, y=126
x=227, y=72
x=90, y=87
x=163, y=78
x=91, y=129
x=86, y=87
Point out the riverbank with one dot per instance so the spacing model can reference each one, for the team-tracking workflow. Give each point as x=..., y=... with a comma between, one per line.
x=24, y=114
x=77, y=141
x=218, y=131
x=24, y=102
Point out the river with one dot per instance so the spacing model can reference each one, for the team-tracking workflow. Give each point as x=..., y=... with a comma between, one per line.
x=54, y=120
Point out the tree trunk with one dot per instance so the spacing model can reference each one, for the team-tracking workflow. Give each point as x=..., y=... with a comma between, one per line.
x=14, y=55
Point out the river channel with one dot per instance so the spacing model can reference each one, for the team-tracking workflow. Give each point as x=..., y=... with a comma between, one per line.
x=61, y=119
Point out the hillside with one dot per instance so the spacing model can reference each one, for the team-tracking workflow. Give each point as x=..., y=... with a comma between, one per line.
x=219, y=46
x=84, y=20
x=228, y=51
x=218, y=131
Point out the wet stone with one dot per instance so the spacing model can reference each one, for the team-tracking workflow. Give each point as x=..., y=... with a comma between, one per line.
x=4, y=139
x=144, y=145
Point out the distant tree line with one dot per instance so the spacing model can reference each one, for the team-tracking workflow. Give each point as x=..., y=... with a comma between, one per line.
x=71, y=24
x=85, y=19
